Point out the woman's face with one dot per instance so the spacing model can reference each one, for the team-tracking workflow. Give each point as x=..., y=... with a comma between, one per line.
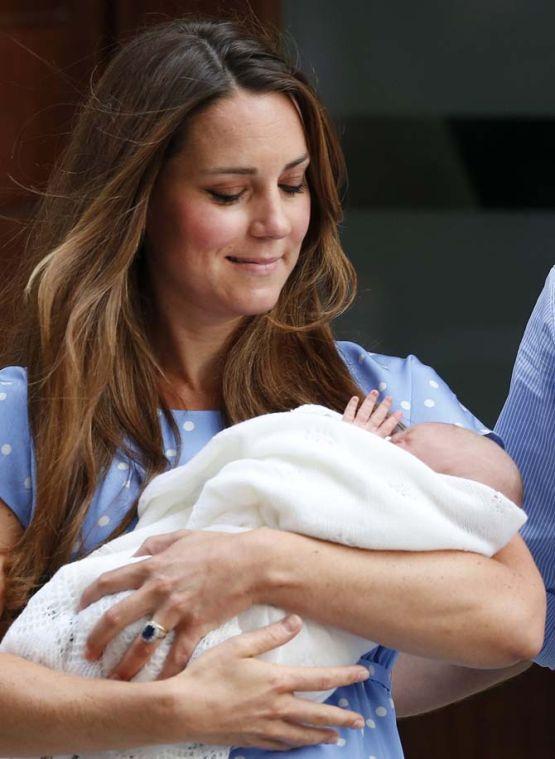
x=235, y=193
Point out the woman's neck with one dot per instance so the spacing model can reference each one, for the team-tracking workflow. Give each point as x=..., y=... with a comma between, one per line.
x=192, y=360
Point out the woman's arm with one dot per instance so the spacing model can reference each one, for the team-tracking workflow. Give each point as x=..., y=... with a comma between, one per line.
x=47, y=712
x=457, y=606
x=225, y=697
x=423, y=685
x=451, y=605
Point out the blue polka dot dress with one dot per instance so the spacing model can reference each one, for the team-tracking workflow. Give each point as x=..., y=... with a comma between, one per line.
x=416, y=390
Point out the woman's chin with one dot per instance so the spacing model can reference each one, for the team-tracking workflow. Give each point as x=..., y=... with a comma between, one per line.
x=253, y=305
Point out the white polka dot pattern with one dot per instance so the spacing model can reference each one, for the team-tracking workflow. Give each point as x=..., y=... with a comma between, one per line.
x=103, y=521
x=188, y=426
x=381, y=711
x=6, y=449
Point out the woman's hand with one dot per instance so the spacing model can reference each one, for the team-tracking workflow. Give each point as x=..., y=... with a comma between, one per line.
x=192, y=583
x=228, y=697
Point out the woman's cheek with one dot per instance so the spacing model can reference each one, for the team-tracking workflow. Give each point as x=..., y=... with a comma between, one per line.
x=211, y=228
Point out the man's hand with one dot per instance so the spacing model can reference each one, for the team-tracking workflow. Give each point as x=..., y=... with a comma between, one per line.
x=372, y=417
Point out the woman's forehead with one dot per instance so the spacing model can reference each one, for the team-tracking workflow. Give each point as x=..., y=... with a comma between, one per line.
x=245, y=128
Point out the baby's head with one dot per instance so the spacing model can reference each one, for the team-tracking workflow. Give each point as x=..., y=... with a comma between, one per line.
x=449, y=449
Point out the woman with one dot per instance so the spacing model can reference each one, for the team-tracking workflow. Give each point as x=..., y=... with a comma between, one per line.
x=187, y=270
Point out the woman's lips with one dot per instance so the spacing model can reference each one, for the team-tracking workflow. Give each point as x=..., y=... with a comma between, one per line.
x=254, y=265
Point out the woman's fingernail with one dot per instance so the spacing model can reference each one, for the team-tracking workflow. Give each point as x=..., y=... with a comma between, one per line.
x=292, y=622
x=358, y=723
x=332, y=739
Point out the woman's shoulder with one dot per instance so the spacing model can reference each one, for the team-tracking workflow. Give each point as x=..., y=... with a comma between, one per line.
x=14, y=376
x=370, y=366
x=13, y=393
x=16, y=454
x=416, y=388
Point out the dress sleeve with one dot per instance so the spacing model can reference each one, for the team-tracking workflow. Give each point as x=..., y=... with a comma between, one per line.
x=417, y=390
x=16, y=454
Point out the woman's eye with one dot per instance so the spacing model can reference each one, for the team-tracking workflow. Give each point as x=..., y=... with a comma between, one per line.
x=224, y=198
x=227, y=198
x=293, y=189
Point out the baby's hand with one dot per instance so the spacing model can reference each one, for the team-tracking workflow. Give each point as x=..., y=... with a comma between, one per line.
x=371, y=417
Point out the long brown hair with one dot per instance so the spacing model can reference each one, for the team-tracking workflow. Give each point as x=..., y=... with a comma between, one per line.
x=94, y=380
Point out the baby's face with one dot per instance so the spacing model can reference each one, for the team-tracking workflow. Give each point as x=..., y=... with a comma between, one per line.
x=450, y=449
x=453, y=450
x=441, y=446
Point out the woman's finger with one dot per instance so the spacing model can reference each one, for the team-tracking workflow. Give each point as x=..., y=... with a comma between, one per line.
x=265, y=638
x=302, y=735
x=134, y=659
x=350, y=410
x=321, y=678
x=158, y=543
x=130, y=577
x=185, y=641
x=366, y=408
x=116, y=619
x=310, y=713
x=139, y=653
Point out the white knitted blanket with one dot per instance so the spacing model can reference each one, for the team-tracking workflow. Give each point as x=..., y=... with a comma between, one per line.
x=303, y=471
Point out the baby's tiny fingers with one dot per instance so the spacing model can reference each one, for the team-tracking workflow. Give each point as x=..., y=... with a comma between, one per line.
x=366, y=409
x=350, y=410
x=380, y=414
x=389, y=424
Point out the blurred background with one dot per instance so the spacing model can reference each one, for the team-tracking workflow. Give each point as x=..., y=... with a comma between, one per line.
x=446, y=112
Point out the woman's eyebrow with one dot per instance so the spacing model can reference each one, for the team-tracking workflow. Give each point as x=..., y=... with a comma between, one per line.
x=249, y=170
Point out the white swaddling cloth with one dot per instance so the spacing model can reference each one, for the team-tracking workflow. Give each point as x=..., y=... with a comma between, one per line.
x=304, y=471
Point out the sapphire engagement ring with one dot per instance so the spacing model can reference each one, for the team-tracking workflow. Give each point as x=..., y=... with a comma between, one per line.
x=152, y=631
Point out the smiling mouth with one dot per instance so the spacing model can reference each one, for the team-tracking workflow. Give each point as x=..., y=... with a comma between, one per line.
x=260, y=261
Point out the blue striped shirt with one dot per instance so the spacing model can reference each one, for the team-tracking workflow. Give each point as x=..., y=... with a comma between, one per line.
x=527, y=424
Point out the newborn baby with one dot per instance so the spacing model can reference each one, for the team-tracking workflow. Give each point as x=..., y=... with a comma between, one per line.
x=445, y=448
x=305, y=471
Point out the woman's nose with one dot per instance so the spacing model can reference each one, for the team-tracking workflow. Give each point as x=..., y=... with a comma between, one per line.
x=270, y=218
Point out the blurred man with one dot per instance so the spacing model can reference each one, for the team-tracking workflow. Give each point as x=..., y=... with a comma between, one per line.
x=527, y=427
